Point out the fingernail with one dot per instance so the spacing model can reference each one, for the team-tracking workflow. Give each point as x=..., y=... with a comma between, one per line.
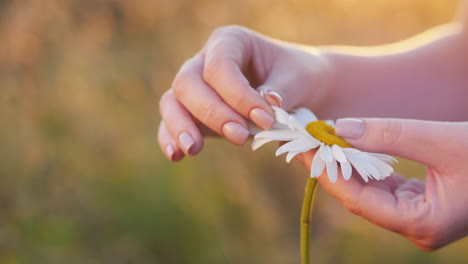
x=274, y=98
x=235, y=132
x=261, y=118
x=187, y=142
x=170, y=152
x=350, y=128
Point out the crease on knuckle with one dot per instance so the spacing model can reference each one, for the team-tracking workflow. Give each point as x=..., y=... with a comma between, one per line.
x=209, y=112
x=212, y=67
x=392, y=132
x=244, y=101
x=227, y=31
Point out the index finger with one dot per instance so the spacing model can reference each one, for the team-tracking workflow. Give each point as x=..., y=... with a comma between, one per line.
x=228, y=53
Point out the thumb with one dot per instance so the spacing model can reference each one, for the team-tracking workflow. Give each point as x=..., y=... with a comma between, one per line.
x=421, y=141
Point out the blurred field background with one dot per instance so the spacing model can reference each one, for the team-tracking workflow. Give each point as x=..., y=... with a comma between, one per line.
x=82, y=179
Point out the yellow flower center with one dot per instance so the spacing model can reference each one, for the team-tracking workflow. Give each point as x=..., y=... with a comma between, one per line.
x=325, y=133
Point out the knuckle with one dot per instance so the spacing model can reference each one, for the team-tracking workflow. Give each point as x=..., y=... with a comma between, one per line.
x=209, y=112
x=163, y=101
x=181, y=82
x=392, y=132
x=243, y=101
x=212, y=67
x=228, y=30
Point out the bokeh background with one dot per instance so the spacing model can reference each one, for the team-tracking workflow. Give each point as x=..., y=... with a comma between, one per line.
x=82, y=179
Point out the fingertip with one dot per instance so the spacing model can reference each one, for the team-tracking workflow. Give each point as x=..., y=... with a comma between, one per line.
x=235, y=132
x=189, y=145
x=261, y=118
x=271, y=96
x=350, y=128
x=168, y=145
x=170, y=152
x=174, y=154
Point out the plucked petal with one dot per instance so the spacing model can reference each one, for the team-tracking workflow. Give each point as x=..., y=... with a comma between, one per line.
x=317, y=166
x=332, y=171
x=338, y=154
x=346, y=170
x=281, y=115
x=325, y=153
x=304, y=116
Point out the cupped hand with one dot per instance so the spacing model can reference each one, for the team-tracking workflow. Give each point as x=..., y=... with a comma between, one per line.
x=430, y=213
x=217, y=90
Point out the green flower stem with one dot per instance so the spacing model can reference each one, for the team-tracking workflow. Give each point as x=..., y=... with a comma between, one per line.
x=306, y=218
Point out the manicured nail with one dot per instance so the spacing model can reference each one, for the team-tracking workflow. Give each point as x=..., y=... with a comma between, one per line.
x=170, y=152
x=350, y=128
x=261, y=118
x=274, y=98
x=235, y=132
x=187, y=142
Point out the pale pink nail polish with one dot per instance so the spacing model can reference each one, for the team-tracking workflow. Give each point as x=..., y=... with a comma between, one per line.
x=170, y=152
x=187, y=142
x=350, y=128
x=261, y=118
x=235, y=132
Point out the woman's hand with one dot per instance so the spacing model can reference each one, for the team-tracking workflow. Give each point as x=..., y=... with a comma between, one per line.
x=431, y=214
x=217, y=90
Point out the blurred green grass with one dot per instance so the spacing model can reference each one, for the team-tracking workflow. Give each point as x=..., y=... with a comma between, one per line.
x=82, y=179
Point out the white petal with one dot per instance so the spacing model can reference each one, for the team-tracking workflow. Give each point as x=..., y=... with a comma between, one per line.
x=383, y=157
x=325, y=153
x=346, y=170
x=299, y=145
x=338, y=154
x=304, y=116
x=382, y=169
x=279, y=126
x=369, y=165
x=293, y=124
x=357, y=163
x=281, y=115
x=317, y=166
x=291, y=155
x=279, y=135
x=332, y=171
x=258, y=142
x=377, y=168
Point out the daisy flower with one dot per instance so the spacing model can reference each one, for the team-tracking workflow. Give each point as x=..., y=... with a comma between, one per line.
x=303, y=132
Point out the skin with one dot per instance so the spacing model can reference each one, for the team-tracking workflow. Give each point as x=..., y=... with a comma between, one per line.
x=401, y=84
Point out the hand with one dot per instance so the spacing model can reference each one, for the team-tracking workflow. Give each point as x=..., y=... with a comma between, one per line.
x=431, y=214
x=213, y=92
